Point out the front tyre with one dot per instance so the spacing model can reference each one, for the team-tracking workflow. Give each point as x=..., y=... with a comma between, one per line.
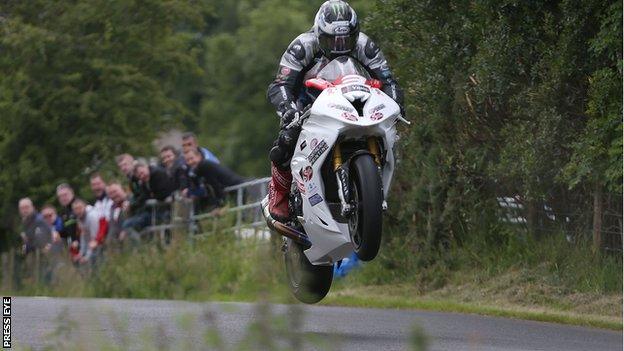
x=365, y=221
x=309, y=283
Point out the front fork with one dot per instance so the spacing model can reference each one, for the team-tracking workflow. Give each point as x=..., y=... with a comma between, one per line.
x=342, y=179
x=342, y=175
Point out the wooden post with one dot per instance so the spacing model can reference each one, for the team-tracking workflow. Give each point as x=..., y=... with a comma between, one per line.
x=37, y=267
x=597, y=228
x=12, y=279
x=532, y=218
x=5, y=272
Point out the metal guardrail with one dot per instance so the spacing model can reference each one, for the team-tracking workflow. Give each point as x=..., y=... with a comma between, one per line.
x=246, y=207
x=245, y=204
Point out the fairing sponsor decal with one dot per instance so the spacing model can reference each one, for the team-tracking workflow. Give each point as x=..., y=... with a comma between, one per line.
x=315, y=199
x=376, y=116
x=340, y=107
x=354, y=87
x=349, y=116
x=317, y=152
x=377, y=108
x=306, y=173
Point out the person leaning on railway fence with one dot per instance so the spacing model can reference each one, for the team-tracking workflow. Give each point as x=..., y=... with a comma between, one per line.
x=206, y=181
x=65, y=196
x=156, y=185
x=48, y=212
x=102, y=203
x=189, y=142
x=174, y=166
x=126, y=163
x=88, y=226
x=101, y=207
x=118, y=213
x=36, y=233
x=36, y=241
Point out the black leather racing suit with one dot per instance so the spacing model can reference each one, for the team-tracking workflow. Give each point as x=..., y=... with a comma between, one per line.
x=303, y=57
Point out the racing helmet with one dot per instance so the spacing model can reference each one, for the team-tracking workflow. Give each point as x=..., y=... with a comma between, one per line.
x=337, y=28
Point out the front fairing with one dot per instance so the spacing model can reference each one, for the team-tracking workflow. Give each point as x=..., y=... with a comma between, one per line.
x=334, y=117
x=377, y=108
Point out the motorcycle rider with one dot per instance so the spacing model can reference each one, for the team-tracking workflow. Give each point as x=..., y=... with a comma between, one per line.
x=335, y=33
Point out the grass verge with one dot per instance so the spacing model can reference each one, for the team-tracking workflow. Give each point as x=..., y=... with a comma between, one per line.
x=551, y=284
x=377, y=297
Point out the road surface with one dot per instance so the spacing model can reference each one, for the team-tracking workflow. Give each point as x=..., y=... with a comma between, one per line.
x=92, y=324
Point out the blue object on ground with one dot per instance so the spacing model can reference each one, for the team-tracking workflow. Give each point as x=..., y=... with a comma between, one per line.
x=347, y=265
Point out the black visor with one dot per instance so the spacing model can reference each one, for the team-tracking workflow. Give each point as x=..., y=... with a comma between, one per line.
x=337, y=44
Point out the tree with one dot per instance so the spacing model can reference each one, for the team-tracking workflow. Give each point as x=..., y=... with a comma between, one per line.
x=503, y=106
x=235, y=119
x=80, y=82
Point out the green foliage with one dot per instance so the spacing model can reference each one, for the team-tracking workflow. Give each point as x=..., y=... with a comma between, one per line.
x=240, y=61
x=215, y=266
x=218, y=266
x=511, y=98
x=559, y=267
x=507, y=99
x=82, y=81
x=235, y=118
x=598, y=152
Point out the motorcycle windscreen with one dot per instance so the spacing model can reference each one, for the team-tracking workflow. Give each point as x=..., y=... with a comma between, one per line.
x=340, y=67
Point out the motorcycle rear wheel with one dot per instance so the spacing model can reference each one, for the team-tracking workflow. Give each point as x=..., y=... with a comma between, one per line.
x=365, y=222
x=309, y=283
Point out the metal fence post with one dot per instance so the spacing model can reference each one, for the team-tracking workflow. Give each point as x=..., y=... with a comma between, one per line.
x=247, y=214
x=239, y=212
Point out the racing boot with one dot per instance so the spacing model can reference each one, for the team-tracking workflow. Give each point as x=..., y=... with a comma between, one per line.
x=279, y=191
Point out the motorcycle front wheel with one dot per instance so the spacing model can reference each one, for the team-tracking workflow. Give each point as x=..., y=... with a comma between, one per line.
x=365, y=221
x=309, y=283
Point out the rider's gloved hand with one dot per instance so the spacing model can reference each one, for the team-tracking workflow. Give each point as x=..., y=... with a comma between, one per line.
x=290, y=115
x=288, y=137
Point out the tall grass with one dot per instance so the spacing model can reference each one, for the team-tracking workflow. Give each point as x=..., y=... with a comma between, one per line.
x=216, y=266
x=552, y=260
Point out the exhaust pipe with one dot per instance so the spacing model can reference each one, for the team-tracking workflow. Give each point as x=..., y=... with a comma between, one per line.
x=283, y=229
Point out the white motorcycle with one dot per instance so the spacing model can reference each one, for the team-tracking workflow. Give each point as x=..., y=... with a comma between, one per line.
x=342, y=169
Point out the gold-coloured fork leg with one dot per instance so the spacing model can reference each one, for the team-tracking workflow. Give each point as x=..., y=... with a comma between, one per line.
x=337, y=157
x=373, y=148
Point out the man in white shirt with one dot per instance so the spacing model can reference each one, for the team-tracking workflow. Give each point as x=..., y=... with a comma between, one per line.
x=88, y=226
x=102, y=203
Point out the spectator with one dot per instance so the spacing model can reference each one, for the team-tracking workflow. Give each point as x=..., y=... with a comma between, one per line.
x=154, y=181
x=36, y=234
x=189, y=142
x=126, y=163
x=65, y=196
x=174, y=166
x=118, y=212
x=102, y=203
x=102, y=206
x=51, y=217
x=154, y=185
x=206, y=180
x=56, y=225
x=88, y=224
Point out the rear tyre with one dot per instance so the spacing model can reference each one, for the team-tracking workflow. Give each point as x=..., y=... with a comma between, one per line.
x=309, y=283
x=365, y=221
